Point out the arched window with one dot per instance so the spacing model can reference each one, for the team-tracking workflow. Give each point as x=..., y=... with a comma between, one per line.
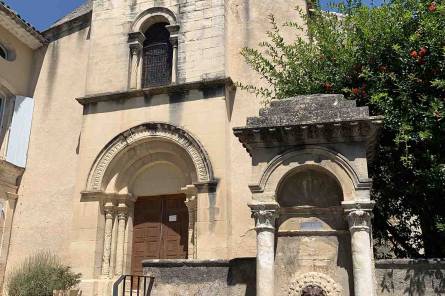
x=157, y=56
x=3, y=52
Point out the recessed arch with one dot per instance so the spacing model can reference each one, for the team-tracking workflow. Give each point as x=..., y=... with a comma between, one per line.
x=121, y=154
x=309, y=185
x=330, y=160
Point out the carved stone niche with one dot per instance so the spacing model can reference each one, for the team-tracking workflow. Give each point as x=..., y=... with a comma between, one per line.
x=313, y=290
x=327, y=140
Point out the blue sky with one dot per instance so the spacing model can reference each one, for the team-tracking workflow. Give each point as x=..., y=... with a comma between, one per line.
x=42, y=13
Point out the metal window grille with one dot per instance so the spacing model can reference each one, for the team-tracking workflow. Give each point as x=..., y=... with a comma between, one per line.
x=157, y=64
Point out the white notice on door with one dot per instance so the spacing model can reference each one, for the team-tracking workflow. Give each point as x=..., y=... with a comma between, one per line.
x=172, y=218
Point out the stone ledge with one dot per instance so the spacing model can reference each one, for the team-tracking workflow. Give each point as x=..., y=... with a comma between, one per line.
x=158, y=90
x=67, y=28
x=305, y=233
x=406, y=263
x=185, y=262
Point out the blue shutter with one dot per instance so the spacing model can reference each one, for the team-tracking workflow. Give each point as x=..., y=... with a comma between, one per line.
x=20, y=131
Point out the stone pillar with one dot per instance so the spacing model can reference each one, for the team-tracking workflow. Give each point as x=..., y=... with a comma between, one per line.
x=359, y=221
x=265, y=215
x=109, y=216
x=174, y=29
x=135, y=41
x=192, y=203
x=122, y=216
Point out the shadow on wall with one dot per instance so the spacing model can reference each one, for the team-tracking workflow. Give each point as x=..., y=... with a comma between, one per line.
x=411, y=277
x=242, y=273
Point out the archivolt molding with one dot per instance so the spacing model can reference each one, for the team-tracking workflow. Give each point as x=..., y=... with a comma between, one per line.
x=329, y=286
x=283, y=158
x=141, y=133
x=151, y=16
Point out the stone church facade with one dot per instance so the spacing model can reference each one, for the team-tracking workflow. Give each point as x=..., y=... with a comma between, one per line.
x=144, y=159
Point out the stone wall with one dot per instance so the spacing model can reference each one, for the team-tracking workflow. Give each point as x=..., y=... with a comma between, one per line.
x=202, y=277
x=410, y=277
x=201, y=44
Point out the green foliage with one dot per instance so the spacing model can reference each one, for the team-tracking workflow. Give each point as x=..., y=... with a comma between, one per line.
x=39, y=275
x=392, y=59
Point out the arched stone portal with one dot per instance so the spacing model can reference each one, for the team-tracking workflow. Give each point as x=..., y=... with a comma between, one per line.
x=154, y=165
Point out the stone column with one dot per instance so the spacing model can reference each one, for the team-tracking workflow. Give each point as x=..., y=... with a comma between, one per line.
x=109, y=216
x=174, y=29
x=192, y=203
x=362, y=262
x=265, y=215
x=122, y=216
x=135, y=42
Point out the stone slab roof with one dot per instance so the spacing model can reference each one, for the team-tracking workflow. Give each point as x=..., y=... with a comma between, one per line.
x=79, y=11
x=309, y=109
x=23, y=30
x=311, y=119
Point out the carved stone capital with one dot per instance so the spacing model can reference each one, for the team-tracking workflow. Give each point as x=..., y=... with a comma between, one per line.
x=136, y=42
x=136, y=37
x=122, y=214
x=174, y=40
x=359, y=220
x=109, y=210
x=135, y=49
x=264, y=215
x=359, y=214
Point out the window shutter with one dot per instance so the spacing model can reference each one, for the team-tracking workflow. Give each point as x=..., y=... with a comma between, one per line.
x=20, y=131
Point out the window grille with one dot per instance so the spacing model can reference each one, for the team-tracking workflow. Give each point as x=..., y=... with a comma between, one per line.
x=157, y=57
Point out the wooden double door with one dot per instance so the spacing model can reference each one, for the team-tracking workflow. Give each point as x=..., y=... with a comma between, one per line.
x=160, y=229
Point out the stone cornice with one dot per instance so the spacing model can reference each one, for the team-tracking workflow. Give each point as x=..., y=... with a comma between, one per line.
x=309, y=120
x=68, y=28
x=308, y=134
x=165, y=89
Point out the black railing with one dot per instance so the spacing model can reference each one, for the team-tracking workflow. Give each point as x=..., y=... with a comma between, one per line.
x=133, y=285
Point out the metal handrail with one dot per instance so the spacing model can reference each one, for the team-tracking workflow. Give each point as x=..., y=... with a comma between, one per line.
x=122, y=280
